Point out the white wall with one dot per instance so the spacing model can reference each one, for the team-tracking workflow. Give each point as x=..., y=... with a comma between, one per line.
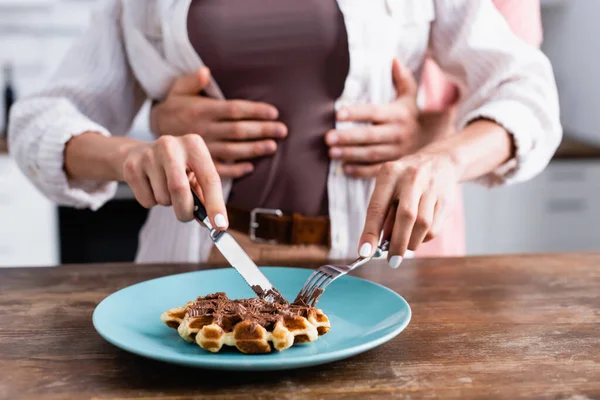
x=34, y=36
x=572, y=42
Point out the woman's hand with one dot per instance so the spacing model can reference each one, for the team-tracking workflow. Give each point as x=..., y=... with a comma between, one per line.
x=164, y=172
x=410, y=202
x=235, y=131
x=413, y=196
x=391, y=130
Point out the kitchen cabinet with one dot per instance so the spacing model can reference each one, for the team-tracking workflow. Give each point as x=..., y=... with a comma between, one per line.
x=557, y=211
x=28, y=221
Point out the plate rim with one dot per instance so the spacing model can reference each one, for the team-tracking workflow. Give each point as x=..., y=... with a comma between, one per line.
x=258, y=363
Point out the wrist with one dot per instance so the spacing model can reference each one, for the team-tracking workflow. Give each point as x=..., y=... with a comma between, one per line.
x=478, y=149
x=120, y=150
x=94, y=156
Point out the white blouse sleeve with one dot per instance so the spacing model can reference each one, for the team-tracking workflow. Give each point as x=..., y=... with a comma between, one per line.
x=93, y=89
x=500, y=78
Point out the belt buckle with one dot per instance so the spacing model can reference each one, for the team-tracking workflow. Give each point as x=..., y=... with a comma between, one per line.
x=254, y=224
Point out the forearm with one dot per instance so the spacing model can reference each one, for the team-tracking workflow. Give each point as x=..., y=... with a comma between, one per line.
x=92, y=156
x=477, y=150
x=500, y=78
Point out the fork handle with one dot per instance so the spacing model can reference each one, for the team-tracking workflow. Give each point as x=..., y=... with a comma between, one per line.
x=383, y=247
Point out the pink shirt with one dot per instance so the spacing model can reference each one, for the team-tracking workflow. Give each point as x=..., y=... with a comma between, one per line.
x=524, y=18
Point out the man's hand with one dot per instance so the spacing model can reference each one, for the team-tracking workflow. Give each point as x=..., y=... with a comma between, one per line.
x=235, y=131
x=391, y=130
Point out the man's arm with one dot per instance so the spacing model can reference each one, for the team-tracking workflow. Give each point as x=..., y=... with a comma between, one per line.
x=441, y=96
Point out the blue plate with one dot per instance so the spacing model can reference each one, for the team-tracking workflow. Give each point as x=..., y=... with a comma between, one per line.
x=363, y=315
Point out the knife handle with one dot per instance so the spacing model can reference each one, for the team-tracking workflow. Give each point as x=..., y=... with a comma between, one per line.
x=199, y=210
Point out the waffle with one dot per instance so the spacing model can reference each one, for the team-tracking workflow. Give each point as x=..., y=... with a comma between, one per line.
x=253, y=326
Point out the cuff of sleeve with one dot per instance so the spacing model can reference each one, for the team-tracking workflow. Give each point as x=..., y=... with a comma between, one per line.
x=49, y=167
x=519, y=123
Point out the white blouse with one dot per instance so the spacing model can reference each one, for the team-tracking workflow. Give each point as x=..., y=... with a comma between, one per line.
x=134, y=50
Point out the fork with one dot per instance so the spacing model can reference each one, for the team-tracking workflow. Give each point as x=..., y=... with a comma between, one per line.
x=318, y=281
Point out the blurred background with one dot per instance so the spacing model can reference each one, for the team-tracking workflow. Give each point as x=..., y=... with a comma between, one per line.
x=557, y=211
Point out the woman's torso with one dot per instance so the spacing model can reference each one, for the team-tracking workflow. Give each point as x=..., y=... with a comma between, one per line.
x=290, y=54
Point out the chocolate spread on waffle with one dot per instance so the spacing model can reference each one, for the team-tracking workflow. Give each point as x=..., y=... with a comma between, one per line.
x=219, y=309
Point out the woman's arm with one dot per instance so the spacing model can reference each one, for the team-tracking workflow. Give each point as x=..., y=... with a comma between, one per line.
x=161, y=172
x=500, y=78
x=93, y=90
x=508, y=127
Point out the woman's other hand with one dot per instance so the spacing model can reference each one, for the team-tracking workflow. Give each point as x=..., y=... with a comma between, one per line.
x=390, y=131
x=413, y=195
x=410, y=202
x=235, y=131
x=164, y=172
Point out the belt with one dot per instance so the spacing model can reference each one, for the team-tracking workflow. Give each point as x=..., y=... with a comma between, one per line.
x=271, y=226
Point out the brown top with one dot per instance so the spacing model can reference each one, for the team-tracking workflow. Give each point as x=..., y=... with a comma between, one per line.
x=510, y=327
x=291, y=54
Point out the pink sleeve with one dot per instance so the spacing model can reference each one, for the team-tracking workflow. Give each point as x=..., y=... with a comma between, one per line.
x=524, y=18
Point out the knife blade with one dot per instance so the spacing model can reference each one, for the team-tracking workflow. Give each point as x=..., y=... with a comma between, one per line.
x=236, y=256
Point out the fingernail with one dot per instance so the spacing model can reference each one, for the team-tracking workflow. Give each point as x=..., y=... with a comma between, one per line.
x=343, y=114
x=333, y=138
x=220, y=221
x=248, y=169
x=365, y=250
x=395, y=261
x=272, y=114
x=336, y=152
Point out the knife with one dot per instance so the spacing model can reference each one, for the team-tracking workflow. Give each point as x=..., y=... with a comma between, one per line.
x=237, y=257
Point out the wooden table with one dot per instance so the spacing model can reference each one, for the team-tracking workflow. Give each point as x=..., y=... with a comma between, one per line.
x=486, y=327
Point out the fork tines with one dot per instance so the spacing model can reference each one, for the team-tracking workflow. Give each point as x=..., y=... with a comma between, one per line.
x=316, y=283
